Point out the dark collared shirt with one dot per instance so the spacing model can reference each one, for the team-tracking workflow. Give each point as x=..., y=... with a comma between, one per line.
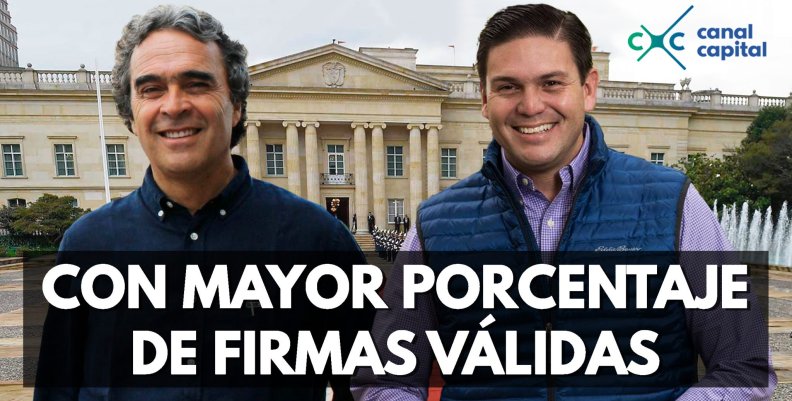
x=248, y=215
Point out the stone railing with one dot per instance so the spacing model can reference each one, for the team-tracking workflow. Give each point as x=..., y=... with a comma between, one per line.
x=662, y=94
x=28, y=78
x=616, y=93
x=337, y=179
x=468, y=89
x=105, y=78
x=702, y=99
x=773, y=101
x=12, y=77
x=56, y=77
x=735, y=100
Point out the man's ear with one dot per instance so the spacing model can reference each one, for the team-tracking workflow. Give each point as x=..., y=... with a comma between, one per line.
x=590, y=89
x=131, y=126
x=237, y=114
x=483, y=91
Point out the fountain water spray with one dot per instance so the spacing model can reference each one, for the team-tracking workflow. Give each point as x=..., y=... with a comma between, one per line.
x=755, y=232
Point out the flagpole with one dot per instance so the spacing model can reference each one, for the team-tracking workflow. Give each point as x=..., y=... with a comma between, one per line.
x=102, y=133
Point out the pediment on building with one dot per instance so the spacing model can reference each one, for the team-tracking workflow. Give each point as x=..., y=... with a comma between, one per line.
x=334, y=67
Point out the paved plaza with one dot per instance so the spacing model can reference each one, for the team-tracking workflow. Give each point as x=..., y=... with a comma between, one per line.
x=11, y=389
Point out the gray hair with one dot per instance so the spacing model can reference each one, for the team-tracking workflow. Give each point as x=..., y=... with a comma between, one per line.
x=201, y=26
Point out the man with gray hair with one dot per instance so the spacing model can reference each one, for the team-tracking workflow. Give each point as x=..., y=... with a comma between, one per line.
x=180, y=85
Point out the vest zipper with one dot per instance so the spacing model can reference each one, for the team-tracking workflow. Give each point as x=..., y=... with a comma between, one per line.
x=549, y=326
x=525, y=225
x=550, y=388
x=569, y=216
x=547, y=315
x=530, y=240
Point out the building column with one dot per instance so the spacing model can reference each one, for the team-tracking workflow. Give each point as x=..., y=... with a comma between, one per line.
x=311, y=161
x=378, y=174
x=293, y=156
x=361, y=176
x=252, y=148
x=416, y=172
x=432, y=159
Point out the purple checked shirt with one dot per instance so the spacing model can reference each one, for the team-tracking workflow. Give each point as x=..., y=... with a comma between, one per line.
x=700, y=231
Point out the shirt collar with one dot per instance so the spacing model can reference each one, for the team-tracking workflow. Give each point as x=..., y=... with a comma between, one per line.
x=576, y=167
x=156, y=200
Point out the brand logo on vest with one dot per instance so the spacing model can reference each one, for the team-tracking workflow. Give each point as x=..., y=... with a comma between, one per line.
x=620, y=248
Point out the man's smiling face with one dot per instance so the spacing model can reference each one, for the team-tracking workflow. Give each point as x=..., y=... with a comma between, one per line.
x=181, y=104
x=535, y=102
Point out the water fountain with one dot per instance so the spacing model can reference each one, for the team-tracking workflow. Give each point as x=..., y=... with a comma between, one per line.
x=756, y=232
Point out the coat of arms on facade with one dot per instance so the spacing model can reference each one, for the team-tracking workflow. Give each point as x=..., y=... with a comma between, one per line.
x=333, y=73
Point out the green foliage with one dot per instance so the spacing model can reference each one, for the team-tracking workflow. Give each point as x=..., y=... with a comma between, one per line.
x=6, y=218
x=768, y=162
x=768, y=116
x=49, y=217
x=760, y=171
x=722, y=179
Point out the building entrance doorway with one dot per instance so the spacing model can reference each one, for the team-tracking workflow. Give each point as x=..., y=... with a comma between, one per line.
x=339, y=207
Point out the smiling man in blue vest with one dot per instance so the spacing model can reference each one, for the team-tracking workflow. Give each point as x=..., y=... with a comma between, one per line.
x=550, y=184
x=181, y=86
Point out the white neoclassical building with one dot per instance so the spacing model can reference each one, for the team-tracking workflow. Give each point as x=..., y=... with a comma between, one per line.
x=355, y=131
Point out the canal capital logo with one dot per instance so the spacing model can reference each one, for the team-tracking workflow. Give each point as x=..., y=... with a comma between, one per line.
x=714, y=42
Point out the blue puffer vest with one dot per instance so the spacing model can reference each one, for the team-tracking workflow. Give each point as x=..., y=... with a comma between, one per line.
x=623, y=201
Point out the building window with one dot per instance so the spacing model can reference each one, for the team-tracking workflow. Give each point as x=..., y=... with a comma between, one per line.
x=335, y=159
x=64, y=160
x=12, y=160
x=395, y=160
x=657, y=158
x=116, y=160
x=275, y=159
x=395, y=208
x=17, y=202
x=448, y=163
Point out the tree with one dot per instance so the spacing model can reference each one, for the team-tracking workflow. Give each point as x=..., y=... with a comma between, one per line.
x=48, y=216
x=767, y=163
x=6, y=218
x=760, y=171
x=721, y=179
x=767, y=116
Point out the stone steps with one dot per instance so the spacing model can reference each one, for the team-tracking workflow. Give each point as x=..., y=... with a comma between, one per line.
x=365, y=241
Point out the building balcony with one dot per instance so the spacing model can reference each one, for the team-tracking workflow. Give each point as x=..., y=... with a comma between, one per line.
x=337, y=179
x=28, y=78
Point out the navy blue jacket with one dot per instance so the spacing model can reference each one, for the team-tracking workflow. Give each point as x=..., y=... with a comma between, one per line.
x=248, y=216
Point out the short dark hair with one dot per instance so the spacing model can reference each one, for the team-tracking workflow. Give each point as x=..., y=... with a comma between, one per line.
x=201, y=26
x=525, y=20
